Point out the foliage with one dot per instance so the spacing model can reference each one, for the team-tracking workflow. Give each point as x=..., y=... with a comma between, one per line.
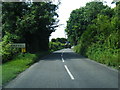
x=56, y=44
x=80, y=19
x=30, y=23
x=61, y=40
x=7, y=51
x=99, y=40
x=20, y=62
x=17, y=65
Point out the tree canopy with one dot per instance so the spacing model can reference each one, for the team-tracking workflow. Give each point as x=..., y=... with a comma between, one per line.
x=94, y=30
x=30, y=23
x=81, y=18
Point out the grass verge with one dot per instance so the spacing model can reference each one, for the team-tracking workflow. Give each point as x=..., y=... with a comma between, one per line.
x=101, y=55
x=20, y=63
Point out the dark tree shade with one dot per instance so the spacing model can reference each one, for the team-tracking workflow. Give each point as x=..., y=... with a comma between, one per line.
x=31, y=23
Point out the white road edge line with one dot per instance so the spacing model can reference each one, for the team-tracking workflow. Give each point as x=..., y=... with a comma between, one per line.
x=69, y=72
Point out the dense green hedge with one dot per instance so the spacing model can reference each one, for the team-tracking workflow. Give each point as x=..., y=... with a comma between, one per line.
x=99, y=39
x=6, y=51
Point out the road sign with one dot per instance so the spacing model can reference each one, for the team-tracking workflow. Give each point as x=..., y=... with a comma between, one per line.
x=18, y=45
x=23, y=50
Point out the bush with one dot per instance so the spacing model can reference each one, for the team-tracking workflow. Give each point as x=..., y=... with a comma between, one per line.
x=56, y=46
x=104, y=50
x=6, y=51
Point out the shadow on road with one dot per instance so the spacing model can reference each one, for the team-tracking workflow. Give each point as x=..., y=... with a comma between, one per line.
x=67, y=55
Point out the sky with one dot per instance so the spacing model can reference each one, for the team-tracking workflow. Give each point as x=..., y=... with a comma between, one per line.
x=65, y=8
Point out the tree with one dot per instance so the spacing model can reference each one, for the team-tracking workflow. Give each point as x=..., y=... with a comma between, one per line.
x=30, y=23
x=53, y=40
x=81, y=18
x=97, y=28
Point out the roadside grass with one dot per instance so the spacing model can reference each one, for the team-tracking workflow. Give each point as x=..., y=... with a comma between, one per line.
x=0, y=76
x=20, y=63
x=101, y=55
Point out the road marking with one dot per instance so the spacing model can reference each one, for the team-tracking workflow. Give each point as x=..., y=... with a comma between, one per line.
x=62, y=57
x=63, y=60
x=69, y=72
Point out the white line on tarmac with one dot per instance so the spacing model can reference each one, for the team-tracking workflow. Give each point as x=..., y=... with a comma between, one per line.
x=63, y=60
x=62, y=57
x=71, y=76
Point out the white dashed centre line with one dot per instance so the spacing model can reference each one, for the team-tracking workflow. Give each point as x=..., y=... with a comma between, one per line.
x=62, y=57
x=63, y=60
x=71, y=76
x=68, y=71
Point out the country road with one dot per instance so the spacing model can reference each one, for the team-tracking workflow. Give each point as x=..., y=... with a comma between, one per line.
x=66, y=69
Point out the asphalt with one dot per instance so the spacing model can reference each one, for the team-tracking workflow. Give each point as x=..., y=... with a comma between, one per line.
x=66, y=69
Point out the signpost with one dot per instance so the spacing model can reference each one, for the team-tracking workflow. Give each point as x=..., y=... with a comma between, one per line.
x=19, y=45
x=23, y=49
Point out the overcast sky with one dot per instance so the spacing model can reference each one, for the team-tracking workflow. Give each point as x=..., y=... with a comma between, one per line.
x=65, y=8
